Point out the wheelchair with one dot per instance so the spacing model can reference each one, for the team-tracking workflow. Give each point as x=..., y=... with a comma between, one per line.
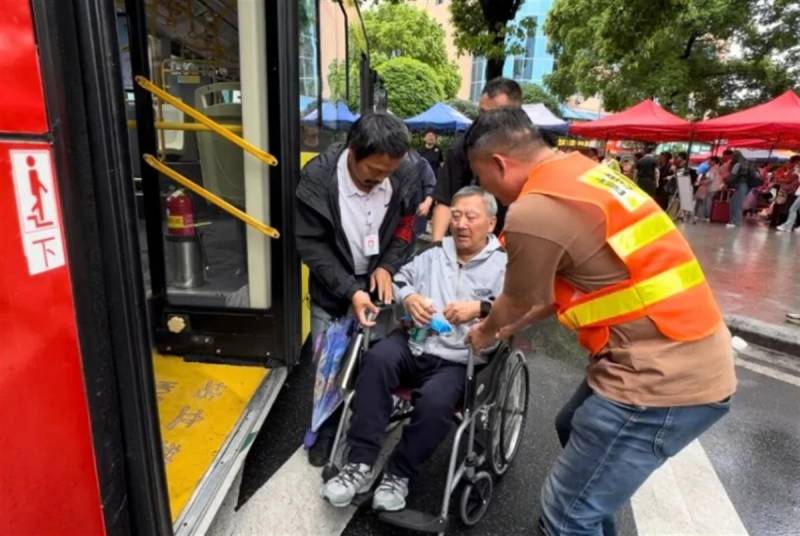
x=490, y=427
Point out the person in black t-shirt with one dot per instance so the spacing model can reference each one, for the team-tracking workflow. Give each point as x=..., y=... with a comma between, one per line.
x=456, y=173
x=432, y=152
x=647, y=171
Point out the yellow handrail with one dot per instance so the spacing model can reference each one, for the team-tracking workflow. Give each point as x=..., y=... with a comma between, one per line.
x=205, y=120
x=154, y=162
x=193, y=127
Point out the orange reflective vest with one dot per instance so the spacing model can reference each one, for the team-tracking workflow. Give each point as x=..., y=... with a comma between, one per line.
x=666, y=283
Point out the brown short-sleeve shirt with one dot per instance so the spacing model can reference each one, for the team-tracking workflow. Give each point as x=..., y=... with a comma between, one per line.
x=548, y=237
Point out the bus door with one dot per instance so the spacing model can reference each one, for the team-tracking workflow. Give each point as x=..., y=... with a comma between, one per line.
x=225, y=96
x=220, y=289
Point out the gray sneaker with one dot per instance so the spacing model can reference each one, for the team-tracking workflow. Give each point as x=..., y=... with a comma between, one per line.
x=391, y=494
x=354, y=478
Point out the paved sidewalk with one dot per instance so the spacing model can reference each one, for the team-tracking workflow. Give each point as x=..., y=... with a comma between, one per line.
x=755, y=274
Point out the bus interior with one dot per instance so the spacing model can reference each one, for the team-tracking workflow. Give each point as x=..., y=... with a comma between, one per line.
x=211, y=278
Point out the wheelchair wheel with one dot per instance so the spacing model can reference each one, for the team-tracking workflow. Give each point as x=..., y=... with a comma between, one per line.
x=475, y=497
x=509, y=415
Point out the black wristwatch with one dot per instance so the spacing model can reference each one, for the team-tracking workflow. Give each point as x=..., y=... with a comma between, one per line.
x=486, y=307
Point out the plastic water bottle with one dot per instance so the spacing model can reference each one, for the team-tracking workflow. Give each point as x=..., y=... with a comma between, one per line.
x=416, y=339
x=417, y=334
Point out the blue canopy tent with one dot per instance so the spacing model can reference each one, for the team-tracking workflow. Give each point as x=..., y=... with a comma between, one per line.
x=544, y=119
x=334, y=116
x=441, y=118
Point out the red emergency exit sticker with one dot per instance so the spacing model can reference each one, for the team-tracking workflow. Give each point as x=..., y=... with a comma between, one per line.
x=37, y=207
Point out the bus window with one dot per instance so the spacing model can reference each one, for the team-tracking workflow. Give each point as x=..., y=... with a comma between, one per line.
x=211, y=259
x=325, y=67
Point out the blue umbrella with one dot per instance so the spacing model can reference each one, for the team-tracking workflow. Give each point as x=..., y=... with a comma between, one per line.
x=439, y=117
x=334, y=116
x=329, y=353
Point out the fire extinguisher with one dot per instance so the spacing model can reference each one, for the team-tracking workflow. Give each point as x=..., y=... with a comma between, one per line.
x=185, y=268
x=180, y=215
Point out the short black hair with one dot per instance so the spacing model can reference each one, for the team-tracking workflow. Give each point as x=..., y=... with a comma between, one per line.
x=429, y=131
x=503, y=86
x=683, y=155
x=727, y=152
x=378, y=133
x=795, y=158
x=502, y=129
x=715, y=160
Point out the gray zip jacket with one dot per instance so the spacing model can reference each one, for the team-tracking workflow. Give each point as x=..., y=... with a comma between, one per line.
x=437, y=274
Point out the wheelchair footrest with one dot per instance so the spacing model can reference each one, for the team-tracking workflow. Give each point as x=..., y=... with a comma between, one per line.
x=415, y=520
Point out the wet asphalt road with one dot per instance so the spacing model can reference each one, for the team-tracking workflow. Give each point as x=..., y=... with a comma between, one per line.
x=755, y=450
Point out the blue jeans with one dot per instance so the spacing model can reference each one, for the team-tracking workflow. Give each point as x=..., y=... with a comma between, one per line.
x=611, y=448
x=737, y=202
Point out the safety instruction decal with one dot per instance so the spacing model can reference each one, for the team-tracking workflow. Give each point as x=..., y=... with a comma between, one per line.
x=37, y=207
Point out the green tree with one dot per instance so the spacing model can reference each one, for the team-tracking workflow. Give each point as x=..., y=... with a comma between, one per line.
x=698, y=57
x=468, y=108
x=487, y=28
x=396, y=30
x=412, y=86
x=534, y=93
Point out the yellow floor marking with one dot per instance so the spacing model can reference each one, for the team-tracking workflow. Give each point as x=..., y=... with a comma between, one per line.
x=198, y=406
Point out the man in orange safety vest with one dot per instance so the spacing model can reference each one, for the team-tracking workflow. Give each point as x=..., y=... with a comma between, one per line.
x=585, y=243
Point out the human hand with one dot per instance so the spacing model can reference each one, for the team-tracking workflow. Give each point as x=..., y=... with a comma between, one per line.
x=420, y=308
x=425, y=207
x=462, y=312
x=382, y=280
x=362, y=307
x=524, y=321
x=479, y=338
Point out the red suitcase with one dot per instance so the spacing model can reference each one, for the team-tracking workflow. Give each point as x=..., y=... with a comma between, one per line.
x=721, y=207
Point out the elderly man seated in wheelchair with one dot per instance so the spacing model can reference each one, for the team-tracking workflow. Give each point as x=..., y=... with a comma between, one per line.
x=457, y=278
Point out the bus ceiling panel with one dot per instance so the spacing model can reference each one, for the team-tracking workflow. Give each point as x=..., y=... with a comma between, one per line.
x=206, y=29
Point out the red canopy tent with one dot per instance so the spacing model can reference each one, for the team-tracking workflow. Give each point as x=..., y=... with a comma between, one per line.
x=776, y=123
x=647, y=121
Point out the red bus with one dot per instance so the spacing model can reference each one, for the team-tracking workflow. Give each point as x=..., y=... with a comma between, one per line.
x=148, y=331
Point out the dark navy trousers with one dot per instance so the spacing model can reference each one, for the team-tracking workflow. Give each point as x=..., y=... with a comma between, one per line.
x=437, y=390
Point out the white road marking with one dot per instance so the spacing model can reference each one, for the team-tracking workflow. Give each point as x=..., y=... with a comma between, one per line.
x=289, y=503
x=685, y=497
x=768, y=371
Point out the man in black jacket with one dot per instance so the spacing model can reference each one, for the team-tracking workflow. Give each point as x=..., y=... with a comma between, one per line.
x=355, y=225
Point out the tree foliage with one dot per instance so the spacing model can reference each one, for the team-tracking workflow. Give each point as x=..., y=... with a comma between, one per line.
x=468, y=108
x=401, y=32
x=534, y=93
x=698, y=57
x=487, y=28
x=412, y=86
x=338, y=86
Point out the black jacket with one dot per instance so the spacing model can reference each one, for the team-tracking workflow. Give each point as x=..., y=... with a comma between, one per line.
x=322, y=243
